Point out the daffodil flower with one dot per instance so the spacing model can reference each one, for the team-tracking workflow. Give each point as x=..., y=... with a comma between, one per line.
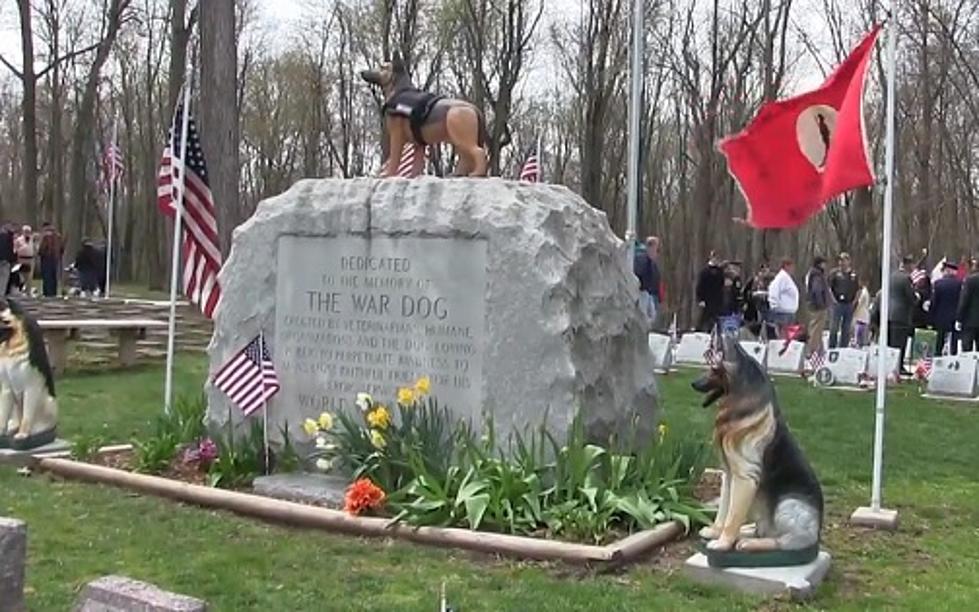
x=310, y=427
x=423, y=386
x=406, y=396
x=377, y=439
x=364, y=401
x=326, y=421
x=379, y=418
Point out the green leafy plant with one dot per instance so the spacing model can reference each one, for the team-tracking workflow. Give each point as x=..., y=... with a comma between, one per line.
x=154, y=455
x=379, y=443
x=239, y=461
x=287, y=458
x=84, y=448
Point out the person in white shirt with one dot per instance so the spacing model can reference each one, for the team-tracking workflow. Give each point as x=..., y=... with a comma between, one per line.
x=783, y=297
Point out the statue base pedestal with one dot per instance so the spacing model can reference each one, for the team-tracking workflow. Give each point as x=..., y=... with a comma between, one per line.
x=9, y=456
x=798, y=581
x=876, y=519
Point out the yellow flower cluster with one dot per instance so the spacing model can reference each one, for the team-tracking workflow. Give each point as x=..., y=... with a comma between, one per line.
x=407, y=396
x=324, y=423
x=379, y=418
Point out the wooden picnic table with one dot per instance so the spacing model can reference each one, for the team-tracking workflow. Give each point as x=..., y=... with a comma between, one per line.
x=57, y=333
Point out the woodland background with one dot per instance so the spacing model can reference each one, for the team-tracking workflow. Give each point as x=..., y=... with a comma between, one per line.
x=274, y=111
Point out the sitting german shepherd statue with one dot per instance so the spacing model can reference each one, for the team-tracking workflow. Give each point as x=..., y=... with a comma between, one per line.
x=28, y=409
x=415, y=116
x=766, y=476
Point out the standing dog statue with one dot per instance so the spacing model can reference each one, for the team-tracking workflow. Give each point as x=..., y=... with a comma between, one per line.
x=766, y=476
x=413, y=116
x=28, y=409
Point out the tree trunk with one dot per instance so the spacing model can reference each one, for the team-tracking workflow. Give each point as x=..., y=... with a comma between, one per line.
x=83, y=140
x=219, y=114
x=29, y=109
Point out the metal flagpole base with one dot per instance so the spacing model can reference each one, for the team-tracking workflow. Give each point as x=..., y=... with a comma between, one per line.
x=865, y=516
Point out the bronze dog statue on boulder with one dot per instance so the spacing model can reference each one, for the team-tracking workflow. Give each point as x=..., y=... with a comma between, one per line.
x=413, y=116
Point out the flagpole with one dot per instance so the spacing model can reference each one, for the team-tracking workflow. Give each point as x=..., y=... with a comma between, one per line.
x=177, y=221
x=540, y=163
x=112, y=202
x=875, y=515
x=635, y=102
x=265, y=403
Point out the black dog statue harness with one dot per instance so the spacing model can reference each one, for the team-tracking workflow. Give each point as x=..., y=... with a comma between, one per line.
x=414, y=104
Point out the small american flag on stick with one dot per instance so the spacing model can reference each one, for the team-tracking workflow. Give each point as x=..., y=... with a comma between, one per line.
x=249, y=379
x=201, y=250
x=531, y=169
x=923, y=370
x=409, y=155
x=112, y=165
x=713, y=356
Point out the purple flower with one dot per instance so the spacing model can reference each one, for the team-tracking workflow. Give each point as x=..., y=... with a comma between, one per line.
x=202, y=454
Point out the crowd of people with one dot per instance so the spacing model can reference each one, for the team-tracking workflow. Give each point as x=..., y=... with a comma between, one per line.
x=26, y=256
x=772, y=304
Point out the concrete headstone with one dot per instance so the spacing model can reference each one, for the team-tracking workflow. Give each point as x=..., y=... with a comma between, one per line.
x=846, y=366
x=13, y=556
x=892, y=364
x=954, y=377
x=755, y=349
x=661, y=348
x=692, y=347
x=517, y=300
x=784, y=359
x=121, y=594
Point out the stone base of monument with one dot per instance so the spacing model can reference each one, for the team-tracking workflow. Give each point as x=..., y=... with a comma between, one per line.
x=882, y=518
x=798, y=581
x=113, y=593
x=317, y=489
x=9, y=456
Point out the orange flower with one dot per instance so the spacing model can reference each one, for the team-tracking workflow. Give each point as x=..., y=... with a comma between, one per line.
x=363, y=495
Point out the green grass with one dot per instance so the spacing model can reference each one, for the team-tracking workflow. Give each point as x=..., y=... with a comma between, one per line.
x=79, y=532
x=137, y=291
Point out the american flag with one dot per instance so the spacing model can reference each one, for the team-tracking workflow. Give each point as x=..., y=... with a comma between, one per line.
x=201, y=253
x=409, y=154
x=531, y=170
x=112, y=165
x=923, y=370
x=249, y=379
x=713, y=356
x=918, y=274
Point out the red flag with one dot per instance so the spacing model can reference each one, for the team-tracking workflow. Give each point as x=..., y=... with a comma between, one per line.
x=801, y=152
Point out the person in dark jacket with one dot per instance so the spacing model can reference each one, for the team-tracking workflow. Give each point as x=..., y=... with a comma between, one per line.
x=967, y=319
x=901, y=308
x=710, y=293
x=819, y=299
x=845, y=286
x=944, y=307
x=646, y=268
x=51, y=250
x=732, y=298
x=7, y=256
x=86, y=262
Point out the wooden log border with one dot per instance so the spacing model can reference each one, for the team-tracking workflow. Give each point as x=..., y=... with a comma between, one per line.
x=293, y=514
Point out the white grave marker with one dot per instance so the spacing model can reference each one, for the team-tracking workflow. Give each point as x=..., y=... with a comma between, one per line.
x=692, y=347
x=755, y=349
x=843, y=366
x=953, y=376
x=892, y=367
x=661, y=346
x=786, y=359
